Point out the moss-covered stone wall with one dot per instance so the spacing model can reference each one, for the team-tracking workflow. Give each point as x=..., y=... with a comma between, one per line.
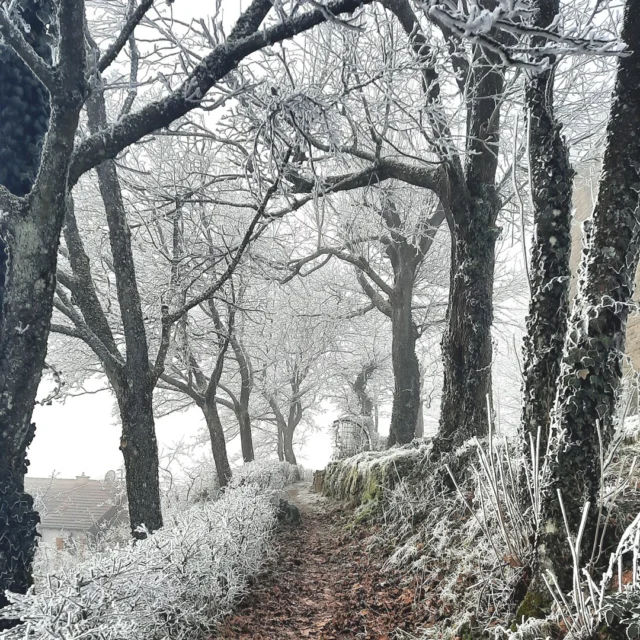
x=363, y=478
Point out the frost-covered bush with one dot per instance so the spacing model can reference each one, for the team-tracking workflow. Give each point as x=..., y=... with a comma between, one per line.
x=267, y=475
x=193, y=483
x=175, y=584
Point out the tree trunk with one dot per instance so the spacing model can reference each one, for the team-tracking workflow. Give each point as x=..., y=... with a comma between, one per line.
x=17, y=544
x=473, y=206
x=591, y=365
x=246, y=439
x=287, y=446
x=30, y=233
x=551, y=188
x=280, y=446
x=218, y=444
x=23, y=346
x=466, y=343
x=420, y=423
x=406, y=371
x=244, y=417
x=140, y=451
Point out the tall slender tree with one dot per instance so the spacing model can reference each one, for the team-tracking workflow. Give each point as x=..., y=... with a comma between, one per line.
x=551, y=182
x=589, y=382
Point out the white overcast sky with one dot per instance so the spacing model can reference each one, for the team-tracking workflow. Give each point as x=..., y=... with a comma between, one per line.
x=82, y=436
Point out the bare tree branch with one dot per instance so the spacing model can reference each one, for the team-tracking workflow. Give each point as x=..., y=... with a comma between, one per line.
x=223, y=59
x=210, y=291
x=132, y=21
x=185, y=388
x=380, y=303
x=360, y=262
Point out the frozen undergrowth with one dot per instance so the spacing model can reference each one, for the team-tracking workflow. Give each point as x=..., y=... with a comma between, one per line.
x=174, y=584
x=468, y=555
x=465, y=539
x=272, y=476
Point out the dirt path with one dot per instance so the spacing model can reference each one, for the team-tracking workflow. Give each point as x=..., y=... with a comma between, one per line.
x=322, y=584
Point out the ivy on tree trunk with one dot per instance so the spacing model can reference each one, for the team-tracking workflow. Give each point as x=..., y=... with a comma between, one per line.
x=591, y=369
x=551, y=182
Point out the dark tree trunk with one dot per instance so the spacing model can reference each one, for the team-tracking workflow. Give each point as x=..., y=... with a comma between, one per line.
x=246, y=439
x=243, y=415
x=466, y=343
x=218, y=444
x=18, y=521
x=27, y=267
x=280, y=446
x=287, y=446
x=472, y=204
x=406, y=371
x=591, y=365
x=140, y=451
x=135, y=398
x=551, y=188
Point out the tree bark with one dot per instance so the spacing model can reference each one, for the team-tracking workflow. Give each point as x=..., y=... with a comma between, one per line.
x=472, y=206
x=218, y=444
x=29, y=235
x=287, y=447
x=246, y=439
x=140, y=451
x=280, y=445
x=466, y=343
x=551, y=181
x=242, y=414
x=591, y=369
x=406, y=370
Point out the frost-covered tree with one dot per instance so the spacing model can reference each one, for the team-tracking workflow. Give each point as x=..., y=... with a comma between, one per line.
x=589, y=381
x=385, y=229
x=422, y=108
x=32, y=223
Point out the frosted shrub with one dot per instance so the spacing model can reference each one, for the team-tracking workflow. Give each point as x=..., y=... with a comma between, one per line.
x=175, y=584
x=267, y=475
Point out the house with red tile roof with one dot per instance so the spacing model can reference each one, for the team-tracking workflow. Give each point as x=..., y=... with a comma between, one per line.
x=79, y=507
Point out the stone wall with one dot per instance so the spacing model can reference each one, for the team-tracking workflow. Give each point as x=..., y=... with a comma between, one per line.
x=362, y=479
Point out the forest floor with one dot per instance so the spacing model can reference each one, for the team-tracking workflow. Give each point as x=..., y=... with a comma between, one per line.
x=322, y=583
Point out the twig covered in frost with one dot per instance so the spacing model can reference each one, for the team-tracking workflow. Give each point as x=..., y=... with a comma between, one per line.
x=512, y=18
